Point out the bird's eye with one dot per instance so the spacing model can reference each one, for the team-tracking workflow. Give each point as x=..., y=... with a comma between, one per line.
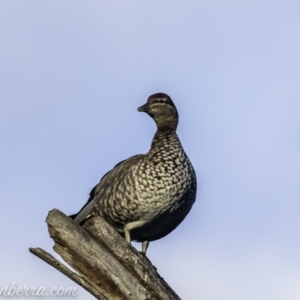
x=161, y=101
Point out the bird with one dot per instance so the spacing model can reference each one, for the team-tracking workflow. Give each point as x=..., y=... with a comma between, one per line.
x=146, y=196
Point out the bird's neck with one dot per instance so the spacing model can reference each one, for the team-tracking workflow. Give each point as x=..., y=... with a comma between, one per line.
x=165, y=137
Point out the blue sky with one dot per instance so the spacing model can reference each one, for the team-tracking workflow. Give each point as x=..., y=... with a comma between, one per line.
x=72, y=74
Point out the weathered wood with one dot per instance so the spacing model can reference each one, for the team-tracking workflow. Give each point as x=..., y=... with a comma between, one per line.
x=134, y=261
x=111, y=267
x=52, y=261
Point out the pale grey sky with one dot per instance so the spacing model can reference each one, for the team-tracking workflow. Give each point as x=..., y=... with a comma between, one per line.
x=72, y=74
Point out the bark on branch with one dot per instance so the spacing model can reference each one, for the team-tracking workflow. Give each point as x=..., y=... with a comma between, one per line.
x=108, y=267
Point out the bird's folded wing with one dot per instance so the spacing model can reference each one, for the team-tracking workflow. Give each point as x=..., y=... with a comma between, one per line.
x=109, y=178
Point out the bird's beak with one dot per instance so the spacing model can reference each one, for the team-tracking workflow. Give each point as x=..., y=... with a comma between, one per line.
x=144, y=108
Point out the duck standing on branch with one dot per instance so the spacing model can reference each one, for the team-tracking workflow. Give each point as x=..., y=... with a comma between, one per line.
x=147, y=196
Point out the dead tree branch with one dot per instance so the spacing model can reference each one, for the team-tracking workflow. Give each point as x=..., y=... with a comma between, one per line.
x=108, y=267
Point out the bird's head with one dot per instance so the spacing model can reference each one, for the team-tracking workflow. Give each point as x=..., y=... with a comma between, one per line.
x=161, y=108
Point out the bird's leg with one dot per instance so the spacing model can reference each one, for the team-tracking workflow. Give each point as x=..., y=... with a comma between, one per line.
x=127, y=235
x=129, y=226
x=145, y=245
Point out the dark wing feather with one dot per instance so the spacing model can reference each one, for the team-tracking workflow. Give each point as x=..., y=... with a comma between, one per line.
x=120, y=169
